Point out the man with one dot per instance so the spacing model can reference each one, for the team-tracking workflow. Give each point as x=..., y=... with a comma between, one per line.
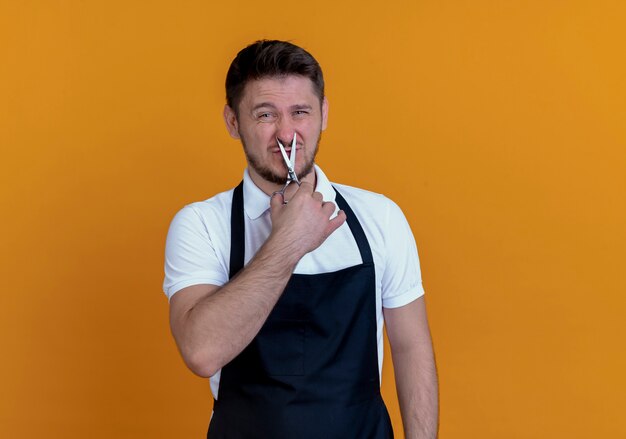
x=280, y=299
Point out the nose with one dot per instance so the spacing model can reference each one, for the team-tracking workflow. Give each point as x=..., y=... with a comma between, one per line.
x=284, y=132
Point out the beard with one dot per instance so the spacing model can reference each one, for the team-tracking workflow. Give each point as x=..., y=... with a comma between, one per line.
x=269, y=175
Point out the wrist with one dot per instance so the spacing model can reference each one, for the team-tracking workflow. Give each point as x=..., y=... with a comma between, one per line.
x=284, y=249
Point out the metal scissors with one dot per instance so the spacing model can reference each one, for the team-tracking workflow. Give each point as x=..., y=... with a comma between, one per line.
x=291, y=165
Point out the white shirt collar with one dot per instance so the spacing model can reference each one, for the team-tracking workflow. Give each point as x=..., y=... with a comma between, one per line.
x=256, y=202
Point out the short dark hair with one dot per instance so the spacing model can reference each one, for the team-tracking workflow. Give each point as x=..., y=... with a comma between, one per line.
x=270, y=58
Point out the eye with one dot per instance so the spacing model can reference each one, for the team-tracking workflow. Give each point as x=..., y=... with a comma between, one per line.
x=266, y=116
x=300, y=113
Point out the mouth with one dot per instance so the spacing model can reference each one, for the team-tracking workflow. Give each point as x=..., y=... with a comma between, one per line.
x=276, y=150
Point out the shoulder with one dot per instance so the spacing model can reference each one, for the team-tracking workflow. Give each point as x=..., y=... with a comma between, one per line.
x=208, y=213
x=197, y=244
x=381, y=218
x=367, y=204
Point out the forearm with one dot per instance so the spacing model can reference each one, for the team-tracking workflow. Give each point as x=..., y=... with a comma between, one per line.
x=414, y=367
x=416, y=383
x=220, y=325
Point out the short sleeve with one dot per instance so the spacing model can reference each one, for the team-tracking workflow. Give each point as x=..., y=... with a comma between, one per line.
x=402, y=278
x=190, y=256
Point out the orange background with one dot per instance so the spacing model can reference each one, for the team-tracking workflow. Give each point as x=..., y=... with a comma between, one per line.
x=498, y=126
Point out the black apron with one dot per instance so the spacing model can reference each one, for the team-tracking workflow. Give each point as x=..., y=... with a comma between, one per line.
x=312, y=370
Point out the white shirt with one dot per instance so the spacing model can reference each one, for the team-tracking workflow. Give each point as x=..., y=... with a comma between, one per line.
x=198, y=245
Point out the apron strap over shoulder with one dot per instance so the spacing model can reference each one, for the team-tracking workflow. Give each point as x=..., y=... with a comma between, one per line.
x=356, y=228
x=237, y=233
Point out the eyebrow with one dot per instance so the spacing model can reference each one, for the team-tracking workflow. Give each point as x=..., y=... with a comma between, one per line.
x=270, y=105
x=263, y=105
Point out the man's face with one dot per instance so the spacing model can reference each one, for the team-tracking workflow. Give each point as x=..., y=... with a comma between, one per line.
x=274, y=108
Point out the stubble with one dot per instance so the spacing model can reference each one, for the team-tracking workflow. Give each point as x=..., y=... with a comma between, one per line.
x=268, y=175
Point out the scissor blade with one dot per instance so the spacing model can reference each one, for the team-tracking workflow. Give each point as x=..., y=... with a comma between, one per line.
x=284, y=153
x=292, y=171
x=292, y=156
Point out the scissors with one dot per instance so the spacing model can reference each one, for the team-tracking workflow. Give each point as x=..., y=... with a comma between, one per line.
x=291, y=165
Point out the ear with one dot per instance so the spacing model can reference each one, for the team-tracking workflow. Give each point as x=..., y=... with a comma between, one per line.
x=232, y=125
x=324, y=113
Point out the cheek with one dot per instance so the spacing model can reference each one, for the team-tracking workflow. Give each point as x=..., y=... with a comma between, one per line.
x=257, y=137
x=312, y=132
x=312, y=126
x=263, y=132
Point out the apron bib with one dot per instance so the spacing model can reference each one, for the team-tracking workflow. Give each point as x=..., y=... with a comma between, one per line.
x=312, y=370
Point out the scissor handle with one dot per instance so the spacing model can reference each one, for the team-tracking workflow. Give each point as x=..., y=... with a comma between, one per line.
x=282, y=191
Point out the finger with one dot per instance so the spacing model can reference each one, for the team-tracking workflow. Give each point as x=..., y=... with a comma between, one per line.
x=306, y=187
x=276, y=201
x=336, y=222
x=328, y=207
x=318, y=196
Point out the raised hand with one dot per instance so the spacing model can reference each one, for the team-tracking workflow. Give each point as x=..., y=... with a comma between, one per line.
x=304, y=223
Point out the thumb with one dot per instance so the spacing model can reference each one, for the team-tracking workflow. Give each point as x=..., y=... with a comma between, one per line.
x=336, y=222
x=276, y=201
